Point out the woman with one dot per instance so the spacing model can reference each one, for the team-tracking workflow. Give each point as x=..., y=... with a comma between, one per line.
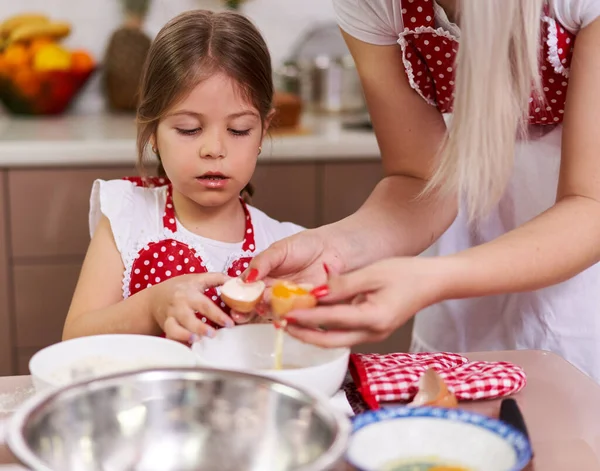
x=518, y=220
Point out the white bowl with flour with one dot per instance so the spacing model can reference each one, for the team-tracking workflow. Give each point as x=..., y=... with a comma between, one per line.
x=99, y=355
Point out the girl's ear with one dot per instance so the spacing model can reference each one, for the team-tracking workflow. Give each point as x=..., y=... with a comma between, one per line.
x=153, y=141
x=267, y=122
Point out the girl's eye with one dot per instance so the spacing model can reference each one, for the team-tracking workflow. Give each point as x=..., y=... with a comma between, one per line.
x=238, y=132
x=188, y=132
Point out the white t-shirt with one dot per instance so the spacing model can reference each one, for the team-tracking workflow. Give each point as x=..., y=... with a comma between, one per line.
x=380, y=21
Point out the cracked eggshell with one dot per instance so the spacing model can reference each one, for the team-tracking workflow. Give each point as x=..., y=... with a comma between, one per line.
x=241, y=296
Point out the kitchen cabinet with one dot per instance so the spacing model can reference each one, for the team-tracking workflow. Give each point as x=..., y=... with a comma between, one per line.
x=44, y=236
x=346, y=186
x=287, y=192
x=6, y=327
x=49, y=210
x=42, y=294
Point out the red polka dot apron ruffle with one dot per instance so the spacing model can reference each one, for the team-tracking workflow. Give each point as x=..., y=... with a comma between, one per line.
x=161, y=260
x=429, y=55
x=395, y=377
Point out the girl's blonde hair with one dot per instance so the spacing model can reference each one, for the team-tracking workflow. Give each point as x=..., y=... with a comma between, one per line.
x=497, y=69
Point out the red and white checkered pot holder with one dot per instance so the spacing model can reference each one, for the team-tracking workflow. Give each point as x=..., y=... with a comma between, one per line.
x=395, y=377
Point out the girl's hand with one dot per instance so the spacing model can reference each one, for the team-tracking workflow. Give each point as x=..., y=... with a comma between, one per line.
x=368, y=304
x=305, y=257
x=175, y=302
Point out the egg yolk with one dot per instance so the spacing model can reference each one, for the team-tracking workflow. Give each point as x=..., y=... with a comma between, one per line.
x=282, y=290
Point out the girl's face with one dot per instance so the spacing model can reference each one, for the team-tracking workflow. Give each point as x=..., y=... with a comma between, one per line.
x=209, y=142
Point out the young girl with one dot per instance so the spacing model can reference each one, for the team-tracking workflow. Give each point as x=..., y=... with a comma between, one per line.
x=160, y=246
x=511, y=187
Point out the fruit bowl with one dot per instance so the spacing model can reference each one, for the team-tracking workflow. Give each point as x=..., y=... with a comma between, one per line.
x=38, y=74
x=29, y=92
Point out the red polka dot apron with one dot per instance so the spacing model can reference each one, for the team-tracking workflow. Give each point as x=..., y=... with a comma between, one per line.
x=161, y=260
x=429, y=56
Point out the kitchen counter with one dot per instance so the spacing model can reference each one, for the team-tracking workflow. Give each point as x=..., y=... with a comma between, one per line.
x=560, y=405
x=96, y=140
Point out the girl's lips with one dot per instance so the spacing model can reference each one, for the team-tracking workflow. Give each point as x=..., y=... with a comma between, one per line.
x=213, y=180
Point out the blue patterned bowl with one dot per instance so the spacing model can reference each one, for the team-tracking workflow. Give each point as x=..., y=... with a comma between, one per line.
x=419, y=438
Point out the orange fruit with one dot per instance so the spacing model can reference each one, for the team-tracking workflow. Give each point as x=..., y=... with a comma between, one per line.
x=16, y=55
x=81, y=61
x=37, y=44
x=3, y=66
x=27, y=82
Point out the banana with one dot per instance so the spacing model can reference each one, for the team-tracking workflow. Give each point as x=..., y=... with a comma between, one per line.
x=55, y=31
x=9, y=25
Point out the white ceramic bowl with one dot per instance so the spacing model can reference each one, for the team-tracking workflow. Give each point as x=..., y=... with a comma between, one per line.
x=90, y=357
x=250, y=348
x=453, y=437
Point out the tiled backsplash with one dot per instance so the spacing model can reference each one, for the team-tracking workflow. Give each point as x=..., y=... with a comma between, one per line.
x=281, y=22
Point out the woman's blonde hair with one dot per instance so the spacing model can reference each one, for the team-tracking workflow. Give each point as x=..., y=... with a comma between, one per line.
x=497, y=69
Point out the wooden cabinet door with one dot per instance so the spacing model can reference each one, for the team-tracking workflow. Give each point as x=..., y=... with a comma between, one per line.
x=6, y=325
x=346, y=186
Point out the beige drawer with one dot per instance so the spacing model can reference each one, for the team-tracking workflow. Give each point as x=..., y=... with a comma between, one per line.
x=42, y=297
x=49, y=209
x=287, y=192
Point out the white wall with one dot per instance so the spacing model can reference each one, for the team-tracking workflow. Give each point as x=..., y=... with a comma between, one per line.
x=280, y=21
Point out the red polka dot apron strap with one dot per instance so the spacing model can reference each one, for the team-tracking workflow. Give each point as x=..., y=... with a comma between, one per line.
x=428, y=54
x=248, y=245
x=148, y=182
x=557, y=51
x=169, y=220
x=418, y=13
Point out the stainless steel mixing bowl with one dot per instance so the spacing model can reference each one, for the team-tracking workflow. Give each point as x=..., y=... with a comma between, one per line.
x=179, y=419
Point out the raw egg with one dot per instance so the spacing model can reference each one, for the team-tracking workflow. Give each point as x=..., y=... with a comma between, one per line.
x=287, y=296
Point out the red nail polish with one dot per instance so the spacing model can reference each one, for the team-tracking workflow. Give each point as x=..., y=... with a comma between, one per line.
x=291, y=320
x=260, y=310
x=252, y=275
x=327, y=270
x=320, y=291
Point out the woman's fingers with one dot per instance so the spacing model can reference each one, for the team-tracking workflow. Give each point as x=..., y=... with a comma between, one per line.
x=350, y=285
x=328, y=339
x=336, y=317
x=267, y=261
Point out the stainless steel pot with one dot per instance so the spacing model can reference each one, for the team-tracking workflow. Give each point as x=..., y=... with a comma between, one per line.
x=322, y=72
x=326, y=84
x=179, y=419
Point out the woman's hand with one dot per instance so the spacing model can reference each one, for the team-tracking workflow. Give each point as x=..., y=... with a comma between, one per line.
x=175, y=302
x=306, y=257
x=368, y=304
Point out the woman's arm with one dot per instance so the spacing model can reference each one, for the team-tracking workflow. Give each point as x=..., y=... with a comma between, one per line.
x=98, y=306
x=409, y=132
x=565, y=239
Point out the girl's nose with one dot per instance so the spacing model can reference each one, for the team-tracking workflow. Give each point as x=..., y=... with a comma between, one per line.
x=212, y=146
